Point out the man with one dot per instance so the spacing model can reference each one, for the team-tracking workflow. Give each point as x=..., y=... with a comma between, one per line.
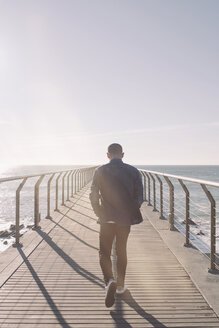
x=116, y=196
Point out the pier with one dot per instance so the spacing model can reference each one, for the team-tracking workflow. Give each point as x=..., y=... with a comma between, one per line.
x=51, y=277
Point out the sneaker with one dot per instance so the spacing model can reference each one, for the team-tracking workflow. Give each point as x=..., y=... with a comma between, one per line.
x=110, y=293
x=121, y=289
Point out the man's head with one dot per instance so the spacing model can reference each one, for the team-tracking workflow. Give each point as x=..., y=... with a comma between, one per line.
x=115, y=151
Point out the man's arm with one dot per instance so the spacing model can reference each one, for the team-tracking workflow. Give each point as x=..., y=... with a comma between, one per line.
x=95, y=194
x=139, y=189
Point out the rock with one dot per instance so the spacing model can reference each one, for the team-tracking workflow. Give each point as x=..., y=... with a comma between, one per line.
x=30, y=226
x=201, y=233
x=12, y=227
x=190, y=222
x=5, y=234
x=5, y=242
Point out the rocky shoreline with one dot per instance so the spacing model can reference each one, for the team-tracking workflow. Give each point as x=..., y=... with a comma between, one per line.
x=7, y=234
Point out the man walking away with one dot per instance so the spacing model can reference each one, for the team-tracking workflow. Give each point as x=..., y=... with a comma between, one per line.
x=116, y=197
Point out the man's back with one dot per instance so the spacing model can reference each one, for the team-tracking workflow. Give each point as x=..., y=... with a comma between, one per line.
x=119, y=187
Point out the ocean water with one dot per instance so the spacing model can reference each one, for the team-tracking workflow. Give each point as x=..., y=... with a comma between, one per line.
x=8, y=197
x=199, y=204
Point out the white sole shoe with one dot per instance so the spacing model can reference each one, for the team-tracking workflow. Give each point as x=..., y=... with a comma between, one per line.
x=121, y=290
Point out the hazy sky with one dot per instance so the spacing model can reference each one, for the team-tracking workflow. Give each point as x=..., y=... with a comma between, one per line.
x=77, y=75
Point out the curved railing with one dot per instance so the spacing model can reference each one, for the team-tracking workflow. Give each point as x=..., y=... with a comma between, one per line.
x=153, y=194
x=156, y=187
x=76, y=180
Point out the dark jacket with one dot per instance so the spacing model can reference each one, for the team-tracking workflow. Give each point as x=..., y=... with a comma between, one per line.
x=117, y=193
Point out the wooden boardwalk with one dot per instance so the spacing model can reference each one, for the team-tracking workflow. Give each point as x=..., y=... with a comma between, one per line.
x=60, y=283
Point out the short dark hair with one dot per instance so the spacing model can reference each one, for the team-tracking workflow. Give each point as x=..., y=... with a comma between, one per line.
x=115, y=149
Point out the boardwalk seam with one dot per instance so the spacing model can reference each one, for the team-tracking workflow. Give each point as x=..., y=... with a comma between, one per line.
x=83, y=192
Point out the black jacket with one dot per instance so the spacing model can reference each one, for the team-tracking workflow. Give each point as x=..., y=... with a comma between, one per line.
x=117, y=193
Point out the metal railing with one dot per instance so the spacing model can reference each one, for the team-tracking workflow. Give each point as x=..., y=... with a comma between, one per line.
x=151, y=179
x=78, y=177
x=155, y=185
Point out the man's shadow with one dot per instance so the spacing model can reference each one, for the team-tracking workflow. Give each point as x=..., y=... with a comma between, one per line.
x=118, y=313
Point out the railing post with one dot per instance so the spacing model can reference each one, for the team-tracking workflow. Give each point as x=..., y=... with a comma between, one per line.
x=92, y=174
x=187, y=243
x=161, y=196
x=75, y=184
x=171, y=201
x=154, y=191
x=48, y=195
x=68, y=177
x=36, y=202
x=78, y=180
x=85, y=174
x=63, y=188
x=213, y=228
x=82, y=178
x=72, y=183
x=85, y=177
x=149, y=189
x=144, y=185
x=57, y=191
x=17, y=222
x=88, y=175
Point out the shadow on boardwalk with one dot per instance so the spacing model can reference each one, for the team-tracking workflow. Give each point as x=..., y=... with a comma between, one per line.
x=73, y=235
x=81, y=224
x=44, y=291
x=117, y=314
x=83, y=214
x=73, y=264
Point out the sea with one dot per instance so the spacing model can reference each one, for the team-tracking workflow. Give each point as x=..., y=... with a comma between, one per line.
x=199, y=203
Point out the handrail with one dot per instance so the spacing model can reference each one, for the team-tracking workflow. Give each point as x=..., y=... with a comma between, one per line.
x=181, y=179
x=208, y=183
x=82, y=176
x=37, y=175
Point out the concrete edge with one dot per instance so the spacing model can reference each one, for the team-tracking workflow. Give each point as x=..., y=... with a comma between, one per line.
x=193, y=261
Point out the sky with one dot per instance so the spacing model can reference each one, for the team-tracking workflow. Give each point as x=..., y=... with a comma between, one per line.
x=78, y=75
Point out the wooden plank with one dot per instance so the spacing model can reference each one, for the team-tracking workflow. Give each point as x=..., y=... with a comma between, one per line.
x=60, y=283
